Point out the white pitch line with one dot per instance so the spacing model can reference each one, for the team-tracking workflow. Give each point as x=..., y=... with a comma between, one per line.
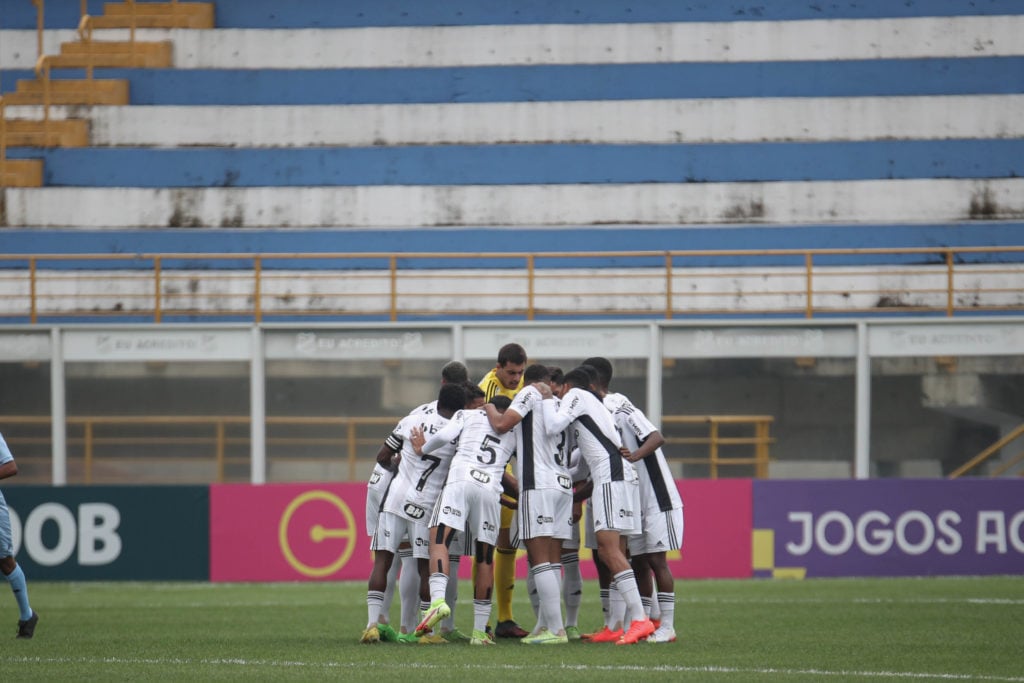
x=767, y=672
x=680, y=600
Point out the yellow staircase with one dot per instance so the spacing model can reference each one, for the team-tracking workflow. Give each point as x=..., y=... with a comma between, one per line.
x=21, y=172
x=68, y=91
x=156, y=15
x=83, y=54
x=88, y=54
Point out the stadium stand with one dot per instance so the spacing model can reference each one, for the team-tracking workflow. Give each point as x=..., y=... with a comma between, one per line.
x=468, y=126
x=324, y=126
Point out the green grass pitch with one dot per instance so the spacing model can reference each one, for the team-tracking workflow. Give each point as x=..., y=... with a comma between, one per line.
x=923, y=629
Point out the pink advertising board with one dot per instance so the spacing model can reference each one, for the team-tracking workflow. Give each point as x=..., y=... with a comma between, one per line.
x=288, y=532
x=316, y=532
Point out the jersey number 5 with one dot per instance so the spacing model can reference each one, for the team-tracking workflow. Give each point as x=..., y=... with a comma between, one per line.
x=487, y=448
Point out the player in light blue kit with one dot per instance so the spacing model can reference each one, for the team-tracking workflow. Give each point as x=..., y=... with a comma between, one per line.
x=27, y=619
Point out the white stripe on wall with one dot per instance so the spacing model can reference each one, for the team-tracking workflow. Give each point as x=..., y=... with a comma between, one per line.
x=873, y=201
x=740, y=41
x=616, y=121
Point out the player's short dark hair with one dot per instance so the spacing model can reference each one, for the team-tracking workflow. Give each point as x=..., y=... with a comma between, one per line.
x=501, y=402
x=578, y=377
x=536, y=373
x=451, y=397
x=603, y=366
x=473, y=392
x=455, y=372
x=556, y=375
x=590, y=371
x=511, y=353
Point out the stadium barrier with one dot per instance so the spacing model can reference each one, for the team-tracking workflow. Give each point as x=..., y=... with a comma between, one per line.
x=179, y=449
x=392, y=286
x=737, y=528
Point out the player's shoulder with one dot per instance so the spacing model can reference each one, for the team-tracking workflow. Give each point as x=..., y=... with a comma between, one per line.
x=5, y=451
x=430, y=407
x=617, y=402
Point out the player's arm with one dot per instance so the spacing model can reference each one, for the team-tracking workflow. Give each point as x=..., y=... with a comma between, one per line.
x=647, y=435
x=389, y=454
x=8, y=469
x=583, y=491
x=446, y=435
x=501, y=422
x=555, y=419
x=653, y=442
x=509, y=490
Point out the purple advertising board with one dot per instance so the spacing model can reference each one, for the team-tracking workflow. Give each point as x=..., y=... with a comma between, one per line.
x=888, y=527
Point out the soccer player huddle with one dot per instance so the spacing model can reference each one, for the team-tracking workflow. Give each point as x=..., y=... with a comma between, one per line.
x=506, y=464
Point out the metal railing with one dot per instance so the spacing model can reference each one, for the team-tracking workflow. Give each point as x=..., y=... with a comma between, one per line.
x=983, y=457
x=106, y=449
x=722, y=444
x=667, y=284
x=3, y=143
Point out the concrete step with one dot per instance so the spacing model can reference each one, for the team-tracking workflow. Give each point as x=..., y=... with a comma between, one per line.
x=113, y=54
x=156, y=15
x=37, y=133
x=21, y=173
x=63, y=91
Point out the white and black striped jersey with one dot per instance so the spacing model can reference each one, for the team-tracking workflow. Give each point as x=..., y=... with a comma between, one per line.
x=595, y=434
x=540, y=460
x=481, y=454
x=417, y=484
x=657, y=486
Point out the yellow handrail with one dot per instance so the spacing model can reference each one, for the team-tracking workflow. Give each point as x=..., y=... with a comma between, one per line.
x=944, y=282
x=717, y=442
x=983, y=457
x=3, y=144
x=348, y=440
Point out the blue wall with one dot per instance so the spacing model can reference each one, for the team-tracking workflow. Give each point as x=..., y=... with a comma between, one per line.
x=527, y=164
x=853, y=78
x=484, y=238
x=356, y=13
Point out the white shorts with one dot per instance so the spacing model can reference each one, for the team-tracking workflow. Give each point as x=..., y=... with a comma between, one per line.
x=544, y=513
x=662, y=532
x=373, y=498
x=392, y=529
x=6, y=535
x=470, y=507
x=616, y=507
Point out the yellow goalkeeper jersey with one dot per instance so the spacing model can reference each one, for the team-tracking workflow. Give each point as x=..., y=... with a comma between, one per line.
x=492, y=386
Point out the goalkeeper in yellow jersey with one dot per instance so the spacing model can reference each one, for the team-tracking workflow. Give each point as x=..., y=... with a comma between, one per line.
x=505, y=379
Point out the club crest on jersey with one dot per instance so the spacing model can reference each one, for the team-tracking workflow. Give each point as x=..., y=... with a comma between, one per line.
x=564, y=481
x=481, y=477
x=414, y=511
